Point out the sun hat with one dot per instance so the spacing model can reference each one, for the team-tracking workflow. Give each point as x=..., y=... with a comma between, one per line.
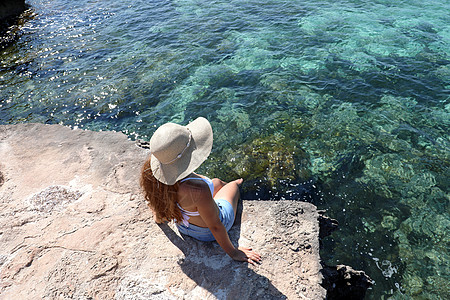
x=176, y=150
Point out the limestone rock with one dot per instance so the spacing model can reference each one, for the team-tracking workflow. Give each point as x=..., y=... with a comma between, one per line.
x=74, y=225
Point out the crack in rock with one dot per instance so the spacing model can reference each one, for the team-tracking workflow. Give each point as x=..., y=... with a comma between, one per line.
x=2, y=179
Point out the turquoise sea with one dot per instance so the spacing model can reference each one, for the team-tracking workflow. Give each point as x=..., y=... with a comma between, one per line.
x=344, y=104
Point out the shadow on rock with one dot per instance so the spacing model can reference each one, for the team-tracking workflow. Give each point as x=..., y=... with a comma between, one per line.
x=209, y=267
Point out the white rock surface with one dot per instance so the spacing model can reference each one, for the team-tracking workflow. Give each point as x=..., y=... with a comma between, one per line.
x=73, y=225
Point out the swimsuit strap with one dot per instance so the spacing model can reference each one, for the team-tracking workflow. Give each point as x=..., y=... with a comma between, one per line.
x=187, y=212
x=187, y=215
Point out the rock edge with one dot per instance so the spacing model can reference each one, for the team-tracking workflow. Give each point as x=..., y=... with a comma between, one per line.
x=73, y=224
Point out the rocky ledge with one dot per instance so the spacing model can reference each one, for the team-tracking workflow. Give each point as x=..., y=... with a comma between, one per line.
x=73, y=224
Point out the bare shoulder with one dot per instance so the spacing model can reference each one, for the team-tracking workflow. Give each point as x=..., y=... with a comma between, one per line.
x=191, y=185
x=195, y=190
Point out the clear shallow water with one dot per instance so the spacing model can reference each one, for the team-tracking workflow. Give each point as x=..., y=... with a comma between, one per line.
x=341, y=103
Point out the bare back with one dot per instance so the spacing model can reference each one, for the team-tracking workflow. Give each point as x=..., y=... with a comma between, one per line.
x=193, y=196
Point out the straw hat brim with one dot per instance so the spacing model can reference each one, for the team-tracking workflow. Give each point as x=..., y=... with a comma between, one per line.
x=198, y=151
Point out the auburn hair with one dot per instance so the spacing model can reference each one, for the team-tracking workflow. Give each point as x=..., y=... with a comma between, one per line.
x=161, y=198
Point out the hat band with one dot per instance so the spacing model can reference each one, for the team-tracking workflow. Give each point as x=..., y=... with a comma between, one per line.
x=182, y=152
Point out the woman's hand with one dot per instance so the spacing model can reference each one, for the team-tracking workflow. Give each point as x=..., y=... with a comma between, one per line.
x=246, y=254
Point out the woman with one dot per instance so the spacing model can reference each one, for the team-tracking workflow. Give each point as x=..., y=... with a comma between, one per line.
x=204, y=209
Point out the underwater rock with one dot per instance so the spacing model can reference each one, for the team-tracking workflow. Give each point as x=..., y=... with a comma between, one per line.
x=327, y=226
x=270, y=159
x=385, y=156
x=342, y=282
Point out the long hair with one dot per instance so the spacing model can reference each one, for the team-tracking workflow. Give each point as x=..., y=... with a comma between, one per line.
x=161, y=198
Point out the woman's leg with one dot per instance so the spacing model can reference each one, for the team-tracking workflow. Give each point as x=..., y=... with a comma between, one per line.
x=218, y=184
x=230, y=193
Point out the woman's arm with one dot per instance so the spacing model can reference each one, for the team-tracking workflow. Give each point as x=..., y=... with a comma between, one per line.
x=209, y=213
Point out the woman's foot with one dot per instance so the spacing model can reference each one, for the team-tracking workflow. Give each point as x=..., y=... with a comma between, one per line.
x=238, y=181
